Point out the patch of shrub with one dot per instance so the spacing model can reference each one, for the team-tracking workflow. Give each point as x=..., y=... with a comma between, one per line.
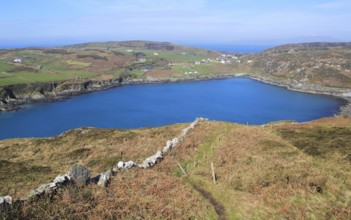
x=93, y=56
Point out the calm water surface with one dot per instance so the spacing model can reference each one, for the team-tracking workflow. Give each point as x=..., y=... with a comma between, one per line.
x=235, y=100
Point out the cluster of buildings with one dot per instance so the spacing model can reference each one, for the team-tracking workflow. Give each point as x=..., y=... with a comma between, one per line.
x=175, y=64
x=223, y=58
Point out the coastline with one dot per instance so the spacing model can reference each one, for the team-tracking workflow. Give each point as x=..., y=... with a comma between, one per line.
x=56, y=91
x=344, y=94
x=18, y=95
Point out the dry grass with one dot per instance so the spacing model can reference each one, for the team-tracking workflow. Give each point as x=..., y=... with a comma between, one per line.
x=27, y=163
x=261, y=174
x=135, y=194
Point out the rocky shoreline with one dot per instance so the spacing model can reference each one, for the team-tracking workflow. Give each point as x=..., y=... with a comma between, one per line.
x=14, y=96
x=344, y=94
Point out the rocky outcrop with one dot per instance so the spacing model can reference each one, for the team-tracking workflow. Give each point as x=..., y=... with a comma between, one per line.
x=302, y=87
x=5, y=202
x=105, y=178
x=79, y=174
x=12, y=96
x=345, y=110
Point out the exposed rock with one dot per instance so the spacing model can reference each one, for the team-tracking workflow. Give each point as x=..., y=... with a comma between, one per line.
x=126, y=165
x=168, y=146
x=346, y=110
x=95, y=179
x=120, y=165
x=5, y=200
x=60, y=180
x=186, y=131
x=37, y=96
x=102, y=180
x=105, y=178
x=109, y=173
x=175, y=142
x=151, y=161
x=115, y=169
x=79, y=174
x=42, y=189
x=129, y=164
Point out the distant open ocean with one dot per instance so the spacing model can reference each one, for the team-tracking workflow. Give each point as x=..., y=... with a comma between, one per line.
x=240, y=48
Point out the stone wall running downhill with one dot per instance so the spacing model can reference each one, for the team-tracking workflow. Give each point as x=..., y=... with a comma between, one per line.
x=80, y=175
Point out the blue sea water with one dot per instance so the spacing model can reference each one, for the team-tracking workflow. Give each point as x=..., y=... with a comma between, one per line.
x=238, y=48
x=239, y=100
x=235, y=48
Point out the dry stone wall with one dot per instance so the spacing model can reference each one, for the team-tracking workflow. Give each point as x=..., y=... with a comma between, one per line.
x=80, y=175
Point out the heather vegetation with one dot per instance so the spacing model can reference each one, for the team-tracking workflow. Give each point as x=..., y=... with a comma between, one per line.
x=280, y=170
x=324, y=64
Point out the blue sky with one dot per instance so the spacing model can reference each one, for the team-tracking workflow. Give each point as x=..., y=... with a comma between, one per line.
x=57, y=22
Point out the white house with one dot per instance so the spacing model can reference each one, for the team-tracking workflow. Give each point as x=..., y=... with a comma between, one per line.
x=155, y=54
x=18, y=60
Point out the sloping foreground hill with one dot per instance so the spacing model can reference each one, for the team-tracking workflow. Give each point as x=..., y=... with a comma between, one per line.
x=281, y=170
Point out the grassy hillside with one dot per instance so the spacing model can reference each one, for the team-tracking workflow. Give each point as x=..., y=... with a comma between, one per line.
x=326, y=64
x=282, y=170
x=103, y=61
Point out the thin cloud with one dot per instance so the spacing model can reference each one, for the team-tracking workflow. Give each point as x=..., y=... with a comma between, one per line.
x=108, y=6
x=334, y=5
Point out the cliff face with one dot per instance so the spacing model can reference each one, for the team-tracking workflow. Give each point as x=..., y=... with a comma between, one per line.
x=13, y=95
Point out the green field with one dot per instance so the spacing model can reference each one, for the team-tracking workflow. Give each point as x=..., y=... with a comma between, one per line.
x=104, y=61
x=32, y=77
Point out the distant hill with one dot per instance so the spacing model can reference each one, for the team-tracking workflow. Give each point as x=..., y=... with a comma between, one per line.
x=128, y=44
x=327, y=64
x=311, y=46
x=39, y=73
x=108, y=60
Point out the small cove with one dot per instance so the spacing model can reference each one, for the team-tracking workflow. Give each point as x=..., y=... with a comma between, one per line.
x=240, y=100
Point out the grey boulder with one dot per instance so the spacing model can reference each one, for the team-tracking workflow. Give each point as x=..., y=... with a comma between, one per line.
x=79, y=174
